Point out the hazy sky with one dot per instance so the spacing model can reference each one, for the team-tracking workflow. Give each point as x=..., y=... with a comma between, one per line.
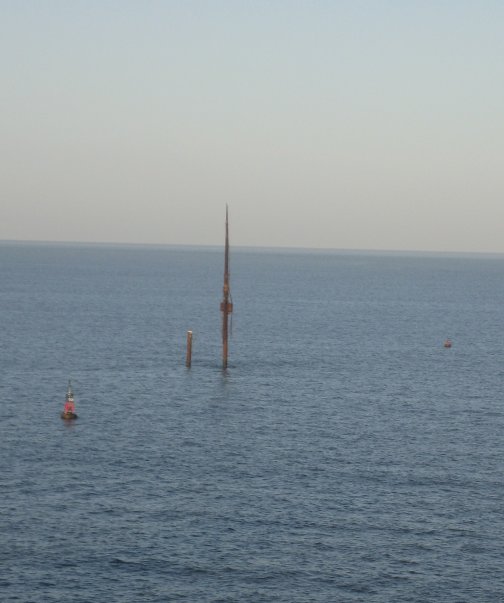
x=344, y=124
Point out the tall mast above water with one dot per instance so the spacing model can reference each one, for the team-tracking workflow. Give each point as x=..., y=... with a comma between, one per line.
x=226, y=304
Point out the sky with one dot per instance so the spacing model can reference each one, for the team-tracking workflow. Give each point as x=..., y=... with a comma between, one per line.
x=354, y=124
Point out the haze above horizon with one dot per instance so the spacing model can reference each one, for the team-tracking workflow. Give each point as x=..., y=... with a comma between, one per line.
x=351, y=125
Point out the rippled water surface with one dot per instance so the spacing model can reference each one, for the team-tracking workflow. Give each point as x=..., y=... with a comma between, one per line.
x=345, y=456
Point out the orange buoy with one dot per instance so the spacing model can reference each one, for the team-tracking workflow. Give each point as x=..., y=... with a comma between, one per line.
x=68, y=412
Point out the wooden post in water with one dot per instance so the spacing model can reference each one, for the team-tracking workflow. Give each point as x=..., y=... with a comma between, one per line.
x=226, y=304
x=189, y=349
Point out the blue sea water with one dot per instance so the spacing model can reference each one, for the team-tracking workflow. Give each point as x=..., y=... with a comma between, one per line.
x=344, y=456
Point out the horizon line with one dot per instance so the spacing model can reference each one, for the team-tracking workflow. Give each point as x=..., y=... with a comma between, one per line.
x=290, y=248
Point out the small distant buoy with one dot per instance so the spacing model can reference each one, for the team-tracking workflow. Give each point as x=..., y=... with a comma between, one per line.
x=68, y=413
x=448, y=343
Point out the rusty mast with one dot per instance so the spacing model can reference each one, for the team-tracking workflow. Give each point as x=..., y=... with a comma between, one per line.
x=226, y=304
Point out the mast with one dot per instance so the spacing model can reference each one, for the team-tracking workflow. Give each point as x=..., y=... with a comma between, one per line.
x=226, y=304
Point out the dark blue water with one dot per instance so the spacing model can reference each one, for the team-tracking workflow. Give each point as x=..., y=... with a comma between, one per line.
x=344, y=456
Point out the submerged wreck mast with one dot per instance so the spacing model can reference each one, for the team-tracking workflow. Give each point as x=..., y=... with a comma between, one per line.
x=226, y=304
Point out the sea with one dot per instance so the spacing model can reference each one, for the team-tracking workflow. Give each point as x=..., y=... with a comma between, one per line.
x=345, y=455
